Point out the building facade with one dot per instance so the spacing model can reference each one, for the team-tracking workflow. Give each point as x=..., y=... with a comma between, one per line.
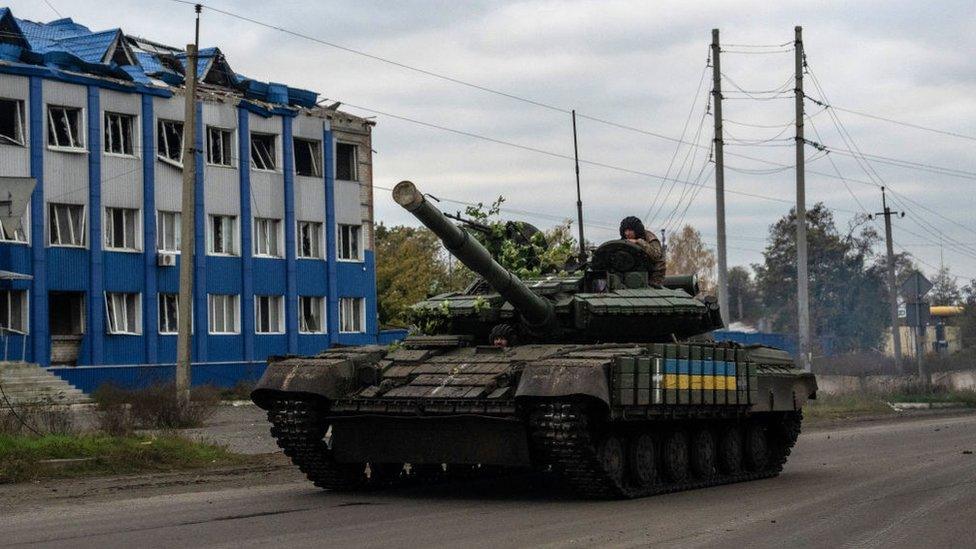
x=283, y=259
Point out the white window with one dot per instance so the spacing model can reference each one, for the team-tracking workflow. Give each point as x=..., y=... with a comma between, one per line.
x=168, y=227
x=66, y=223
x=311, y=314
x=219, y=147
x=223, y=235
x=20, y=235
x=346, y=165
x=121, y=229
x=269, y=314
x=169, y=313
x=263, y=151
x=64, y=128
x=350, y=243
x=169, y=142
x=351, y=313
x=310, y=239
x=119, y=137
x=123, y=313
x=13, y=311
x=308, y=157
x=267, y=237
x=223, y=314
x=12, y=122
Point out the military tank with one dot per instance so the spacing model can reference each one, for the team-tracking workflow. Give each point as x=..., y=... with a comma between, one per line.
x=596, y=376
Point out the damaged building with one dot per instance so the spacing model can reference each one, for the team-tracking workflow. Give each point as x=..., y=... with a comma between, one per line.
x=283, y=241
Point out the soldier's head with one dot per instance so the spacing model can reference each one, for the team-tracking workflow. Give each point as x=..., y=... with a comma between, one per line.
x=632, y=228
x=503, y=335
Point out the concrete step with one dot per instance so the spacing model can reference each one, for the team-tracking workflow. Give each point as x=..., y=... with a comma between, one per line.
x=25, y=383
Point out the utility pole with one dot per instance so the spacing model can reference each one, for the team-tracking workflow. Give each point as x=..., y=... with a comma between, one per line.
x=723, y=273
x=187, y=224
x=893, y=290
x=579, y=197
x=802, y=277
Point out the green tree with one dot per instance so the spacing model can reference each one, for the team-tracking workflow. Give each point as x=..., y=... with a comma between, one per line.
x=945, y=291
x=688, y=254
x=847, y=305
x=744, y=299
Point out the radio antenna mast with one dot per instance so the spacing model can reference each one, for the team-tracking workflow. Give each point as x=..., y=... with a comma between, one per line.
x=579, y=199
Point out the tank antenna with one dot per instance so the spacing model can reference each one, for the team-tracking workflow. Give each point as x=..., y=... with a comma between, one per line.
x=579, y=199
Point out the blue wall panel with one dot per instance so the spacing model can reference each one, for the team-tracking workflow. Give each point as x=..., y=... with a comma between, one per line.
x=123, y=272
x=223, y=276
x=39, y=324
x=63, y=272
x=90, y=378
x=150, y=299
x=311, y=276
x=247, y=262
x=269, y=276
x=266, y=345
x=291, y=299
x=221, y=348
x=96, y=300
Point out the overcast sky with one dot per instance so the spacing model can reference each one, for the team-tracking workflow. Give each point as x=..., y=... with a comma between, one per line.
x=636, y=63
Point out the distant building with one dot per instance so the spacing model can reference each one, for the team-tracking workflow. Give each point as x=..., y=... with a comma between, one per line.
x=284, y=217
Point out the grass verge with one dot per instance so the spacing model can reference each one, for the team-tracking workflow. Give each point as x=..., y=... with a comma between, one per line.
x=828, y=407
x=24, y=457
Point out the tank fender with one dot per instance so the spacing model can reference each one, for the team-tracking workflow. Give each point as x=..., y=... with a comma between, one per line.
x=330, y=375
x=555, y=378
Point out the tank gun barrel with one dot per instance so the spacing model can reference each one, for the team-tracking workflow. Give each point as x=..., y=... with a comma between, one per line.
x=535, y=310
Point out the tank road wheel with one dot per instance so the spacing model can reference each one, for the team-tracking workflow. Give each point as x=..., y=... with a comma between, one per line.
x=676, y=456
x=730, y=451
x=642, y=460
x=610, y=452
x=383, y=473
x=757, y=448
x=703, y=454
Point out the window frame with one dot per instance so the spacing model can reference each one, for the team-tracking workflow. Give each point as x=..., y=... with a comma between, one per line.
x=133, y=134
x=354, y=165
x=178, y=231
x=279, y=303
x=265, y=222
x=111, y=322
x=108, y=226
x=227, y=155
x=362, y=314
x=24, y=231
x=235, y=237
x=162, y=142
x=24, y=312
x=84, y=225
x=21, y=123
x=81, y=130
x=160, y=311
x=235, y=300
x=360, y=249
x=315, y=154
x=319, y=240
x=321, y=310
x=272, y=155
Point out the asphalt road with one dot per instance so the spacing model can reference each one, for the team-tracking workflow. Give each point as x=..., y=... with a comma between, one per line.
x=893, y=484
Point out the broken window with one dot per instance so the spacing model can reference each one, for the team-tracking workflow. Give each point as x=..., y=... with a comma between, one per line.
x=309, y=239
x=12, y=122
x=64, y=128
x=219, y=147
x=351, y=313
x=311, y=311
x=121, y=228
x=13, y=311
x=169, y=145
x=118, y=133
x=169, y=313
x=266, y=237
x=350, y=247
x=263, y=151
x=223, y=314
x=66, y=224
x=308, y=157
x=122, y=312
x=222, y=237
x=20, y=235
x=346, y=162
x=268, y=314
x=168, y=227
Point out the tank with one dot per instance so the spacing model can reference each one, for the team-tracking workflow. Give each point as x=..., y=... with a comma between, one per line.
x=595, y=376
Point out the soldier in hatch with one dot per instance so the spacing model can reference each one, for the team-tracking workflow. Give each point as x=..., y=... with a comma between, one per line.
x=633, y=230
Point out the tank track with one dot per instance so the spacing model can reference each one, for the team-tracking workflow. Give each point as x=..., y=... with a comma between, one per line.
x=561, y=436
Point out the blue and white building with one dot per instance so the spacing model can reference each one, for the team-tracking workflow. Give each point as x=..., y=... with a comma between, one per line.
x=283, y=244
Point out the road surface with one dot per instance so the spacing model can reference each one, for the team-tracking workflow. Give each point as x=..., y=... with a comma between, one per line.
x=880, y=484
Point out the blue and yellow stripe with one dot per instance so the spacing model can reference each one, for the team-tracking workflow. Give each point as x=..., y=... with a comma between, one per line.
x=698, y=374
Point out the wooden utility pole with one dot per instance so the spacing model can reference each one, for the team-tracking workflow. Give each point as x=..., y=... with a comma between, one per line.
x=188, y=224
x=723, y=273
x=802, y=277
x=892, y=289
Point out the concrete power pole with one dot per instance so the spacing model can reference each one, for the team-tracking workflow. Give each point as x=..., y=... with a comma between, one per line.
x=723, y=273
x=802, y=277
x=893, y=290
x=187, y=224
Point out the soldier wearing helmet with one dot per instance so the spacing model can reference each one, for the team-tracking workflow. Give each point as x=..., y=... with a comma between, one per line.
x=632, y=229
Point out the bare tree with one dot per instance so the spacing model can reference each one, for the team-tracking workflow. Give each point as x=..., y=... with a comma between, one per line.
x=687, y=254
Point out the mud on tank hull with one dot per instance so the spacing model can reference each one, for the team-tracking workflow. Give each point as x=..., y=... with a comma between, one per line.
x=611, y=420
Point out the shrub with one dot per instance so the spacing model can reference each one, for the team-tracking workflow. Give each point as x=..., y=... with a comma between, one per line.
x=154, y=407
